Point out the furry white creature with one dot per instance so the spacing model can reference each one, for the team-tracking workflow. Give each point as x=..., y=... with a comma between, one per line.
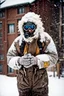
x=31, y=17
x=52, y=57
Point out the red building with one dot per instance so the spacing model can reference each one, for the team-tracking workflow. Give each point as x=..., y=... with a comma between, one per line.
x=11, y=12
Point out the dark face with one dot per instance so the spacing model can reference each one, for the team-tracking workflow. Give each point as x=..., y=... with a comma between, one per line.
x=29, y=29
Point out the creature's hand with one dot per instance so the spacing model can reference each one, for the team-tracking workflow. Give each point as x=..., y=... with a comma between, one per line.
x=43, y=61
x=27, y=60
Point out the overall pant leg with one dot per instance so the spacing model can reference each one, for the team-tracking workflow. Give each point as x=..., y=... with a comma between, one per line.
x=40, y=83
x=31, y=83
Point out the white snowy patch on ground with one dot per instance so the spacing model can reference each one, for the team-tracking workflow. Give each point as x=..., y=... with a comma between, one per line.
x=8, y=86
x=56, y=86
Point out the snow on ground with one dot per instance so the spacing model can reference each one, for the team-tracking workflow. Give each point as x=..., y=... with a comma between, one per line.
x=56, y=86
x=8, y=86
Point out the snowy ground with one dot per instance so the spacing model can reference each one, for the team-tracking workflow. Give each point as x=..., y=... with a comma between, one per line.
x=8, y=86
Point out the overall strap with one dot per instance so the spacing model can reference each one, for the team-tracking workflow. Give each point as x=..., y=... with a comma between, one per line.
x=41, y=46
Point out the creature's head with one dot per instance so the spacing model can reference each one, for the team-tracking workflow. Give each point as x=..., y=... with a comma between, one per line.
x=30, y=26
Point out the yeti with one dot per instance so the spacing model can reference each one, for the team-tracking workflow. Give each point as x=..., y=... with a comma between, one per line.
x=31, y=53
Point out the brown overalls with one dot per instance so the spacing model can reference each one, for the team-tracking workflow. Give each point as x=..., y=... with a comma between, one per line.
x=32, y=81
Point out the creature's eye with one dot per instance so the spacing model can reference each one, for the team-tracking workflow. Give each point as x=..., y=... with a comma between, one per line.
x=26, y=27
x=32, y=26
x=29, y=25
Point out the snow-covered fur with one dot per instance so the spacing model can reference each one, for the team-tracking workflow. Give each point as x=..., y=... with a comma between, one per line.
x=31, y=17
x=51, y=52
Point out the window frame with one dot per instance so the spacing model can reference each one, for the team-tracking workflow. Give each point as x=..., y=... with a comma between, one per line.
x=1, y=34
x=1, y=41
x=21, y=10
x=11, y=29
x=2, y=14
x=1, y=56
x=10, y=70
x=0, y=24
x=1, y=47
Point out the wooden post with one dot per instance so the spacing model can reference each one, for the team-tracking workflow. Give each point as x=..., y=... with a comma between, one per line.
x=58, y=70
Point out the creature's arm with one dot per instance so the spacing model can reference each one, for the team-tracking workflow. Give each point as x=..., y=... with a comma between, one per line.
x=15, y=61
x=12, y=56
x=50, y=55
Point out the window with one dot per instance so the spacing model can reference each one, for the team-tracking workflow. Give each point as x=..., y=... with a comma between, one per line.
x=11, y=28
x=21, y=10
x=1, y=67
x=0, y=34
x=1, y=57
x=0, y=41
x=1, y=47
x=10, y=70
x=0, y=24
x=2, y=14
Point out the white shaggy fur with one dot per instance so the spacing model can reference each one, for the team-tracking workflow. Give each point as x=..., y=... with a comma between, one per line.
x=12, y=57
x=32, y=17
